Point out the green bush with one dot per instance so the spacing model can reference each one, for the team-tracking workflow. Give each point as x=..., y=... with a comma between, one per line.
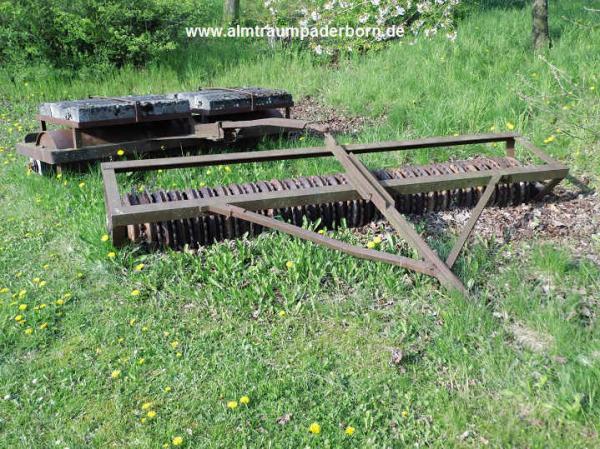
x=75, y=33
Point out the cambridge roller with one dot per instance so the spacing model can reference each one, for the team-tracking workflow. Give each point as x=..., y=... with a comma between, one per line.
x=207, y=229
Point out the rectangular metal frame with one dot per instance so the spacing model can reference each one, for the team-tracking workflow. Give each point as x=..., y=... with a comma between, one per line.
x=363, y=185
x=205, y=134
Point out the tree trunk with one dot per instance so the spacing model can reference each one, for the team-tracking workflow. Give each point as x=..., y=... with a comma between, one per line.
x=541, y=35
x=231, y=12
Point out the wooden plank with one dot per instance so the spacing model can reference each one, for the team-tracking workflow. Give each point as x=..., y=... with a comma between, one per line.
x=475, y=214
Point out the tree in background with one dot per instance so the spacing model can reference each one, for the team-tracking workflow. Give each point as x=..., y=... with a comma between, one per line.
x=541, y=35
x=402, y=18
x=231, y=12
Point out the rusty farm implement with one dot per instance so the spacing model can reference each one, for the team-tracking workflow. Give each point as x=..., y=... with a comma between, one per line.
x=197, y=217
x=104, y=128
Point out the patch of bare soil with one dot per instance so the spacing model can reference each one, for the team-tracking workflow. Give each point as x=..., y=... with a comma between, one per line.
x=530, y=339
x=567, y=217
x=339, y=122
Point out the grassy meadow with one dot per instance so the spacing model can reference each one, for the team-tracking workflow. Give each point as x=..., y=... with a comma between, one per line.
x=121, y=348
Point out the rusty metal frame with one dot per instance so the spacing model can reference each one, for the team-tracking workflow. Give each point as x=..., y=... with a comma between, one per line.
x=363, y=185
x=205, y=134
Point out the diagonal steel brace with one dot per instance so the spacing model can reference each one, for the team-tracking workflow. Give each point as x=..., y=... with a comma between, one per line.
x=371, y=190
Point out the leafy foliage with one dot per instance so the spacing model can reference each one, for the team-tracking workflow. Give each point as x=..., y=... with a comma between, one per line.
x=387, y=20
x=74, y=33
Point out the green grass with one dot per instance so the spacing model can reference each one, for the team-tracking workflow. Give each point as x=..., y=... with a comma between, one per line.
x=464, y=380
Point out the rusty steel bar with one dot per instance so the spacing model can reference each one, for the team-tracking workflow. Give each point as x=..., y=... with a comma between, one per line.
x=315, y=195
x=305, y=234
x=371, y=190
x=475, y=214
x=300, y=153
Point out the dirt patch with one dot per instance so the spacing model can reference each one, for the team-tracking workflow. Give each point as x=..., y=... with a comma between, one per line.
x=339, y=122
x=566, y=216
x=530, y=339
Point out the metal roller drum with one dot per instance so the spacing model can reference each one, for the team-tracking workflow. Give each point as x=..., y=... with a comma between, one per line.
x=207, y=229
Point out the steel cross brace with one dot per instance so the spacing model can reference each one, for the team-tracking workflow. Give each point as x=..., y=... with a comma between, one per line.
x=362, y=185
x=371, y=190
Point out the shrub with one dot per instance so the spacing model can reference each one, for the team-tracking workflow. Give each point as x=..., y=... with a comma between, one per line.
x=73, y=33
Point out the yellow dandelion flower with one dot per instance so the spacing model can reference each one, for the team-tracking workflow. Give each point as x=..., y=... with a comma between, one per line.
x=58, y=175
x=377, y=240
x=349, y=431
x=227, y=168
x=4, y=290
x=81, y=185
x=19, y=318
x=289, y=264
x=147, y=405
x=179, y=354
x=45, y=266
x=315, y=428
x=59, y=302
x=23, y=307
x=132, y=321
x=177, y=441
x=166, y=445
x=550, y=139
x=371, y=245
x=43, y=305
x=144, y=328
x=232, y=405
x=321, y=231
x=245, y=400
x=44, y=326
x=493, y=128
x=120, y=152
x=111, y=255
x=151, y=414
x=141, y=361
x=510, y=126
x=135, y=292
x=139, y=267
x=143, y=420
x=42, y=283
x=404, y=413
x=167, y=389
x=282, y=313
x=35, y=280
x=104, y=238
x=115, y=374
x=174, y=344
x=29, y=331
